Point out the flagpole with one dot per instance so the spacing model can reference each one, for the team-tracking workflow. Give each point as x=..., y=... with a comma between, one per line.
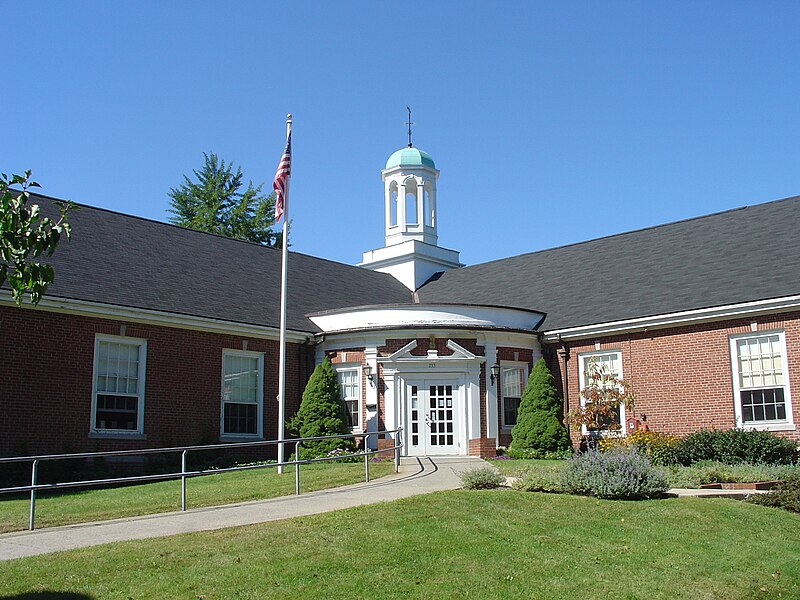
x=284, y=277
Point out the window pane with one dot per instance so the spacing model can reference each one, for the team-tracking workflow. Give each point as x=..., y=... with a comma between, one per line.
x=763, y=405
x=240, y=418
x=117, y=412
x=760, y=361
x=513, y=381
x=351, y=394
x=241, y=379
x=510, y=408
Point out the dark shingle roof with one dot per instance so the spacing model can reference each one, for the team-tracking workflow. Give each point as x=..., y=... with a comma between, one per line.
x=134, y=262
x=740, y=255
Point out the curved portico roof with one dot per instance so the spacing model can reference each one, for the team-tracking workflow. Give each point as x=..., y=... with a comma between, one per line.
x=402, y=316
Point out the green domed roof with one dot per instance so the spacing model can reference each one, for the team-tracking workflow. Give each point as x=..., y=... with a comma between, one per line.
x=410, y=157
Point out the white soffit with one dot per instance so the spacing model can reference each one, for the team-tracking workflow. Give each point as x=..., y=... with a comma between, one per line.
x=426, y=315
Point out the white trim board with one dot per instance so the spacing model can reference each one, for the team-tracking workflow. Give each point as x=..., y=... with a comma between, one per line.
x=87, y=308
x=667, y=320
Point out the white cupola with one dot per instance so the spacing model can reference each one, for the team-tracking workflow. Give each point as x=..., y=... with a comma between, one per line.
x=409, y=186
x=411, y=253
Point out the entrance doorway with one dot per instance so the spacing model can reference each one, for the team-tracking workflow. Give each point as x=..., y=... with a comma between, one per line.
x=433, y=418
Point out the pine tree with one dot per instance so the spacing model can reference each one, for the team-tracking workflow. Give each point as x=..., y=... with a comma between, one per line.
x=539, y=425
x=216, y=204
x=322, y=412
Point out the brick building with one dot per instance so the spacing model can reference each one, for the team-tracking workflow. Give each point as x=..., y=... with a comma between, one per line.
x=154, y=335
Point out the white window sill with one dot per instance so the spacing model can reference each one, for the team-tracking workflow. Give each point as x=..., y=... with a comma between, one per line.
x=117, y=435
x=770, y=426
x=240, y=438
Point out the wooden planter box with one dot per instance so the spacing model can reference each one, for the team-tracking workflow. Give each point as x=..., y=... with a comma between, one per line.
x=757, y=485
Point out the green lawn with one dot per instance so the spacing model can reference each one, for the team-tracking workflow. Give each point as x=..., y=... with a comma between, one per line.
x=492, y=544
x=165, y=496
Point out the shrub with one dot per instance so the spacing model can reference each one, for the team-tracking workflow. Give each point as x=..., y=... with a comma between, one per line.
x=481, y=478
x=617, y=474
x=322, y=412
x=660, y=448
x=539, y=425
x=736, y=446
x=539, y=454
x=785, y=495
x=542, y=480
x=716, y=472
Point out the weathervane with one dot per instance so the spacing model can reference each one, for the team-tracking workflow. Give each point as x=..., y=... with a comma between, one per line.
x=409, y=123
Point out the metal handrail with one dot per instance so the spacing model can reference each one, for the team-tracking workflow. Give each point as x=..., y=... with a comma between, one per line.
x=184, y=474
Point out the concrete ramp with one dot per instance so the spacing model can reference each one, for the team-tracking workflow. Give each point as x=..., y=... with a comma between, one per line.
x=417, y=476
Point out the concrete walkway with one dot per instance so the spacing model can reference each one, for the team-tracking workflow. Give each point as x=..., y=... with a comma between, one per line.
x=416, y=476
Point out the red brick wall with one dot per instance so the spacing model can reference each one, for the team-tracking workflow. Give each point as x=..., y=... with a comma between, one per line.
x=483, y=447
x=682, y=376
x=46, y=382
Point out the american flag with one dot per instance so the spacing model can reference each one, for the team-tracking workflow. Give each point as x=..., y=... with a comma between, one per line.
x=281, y=182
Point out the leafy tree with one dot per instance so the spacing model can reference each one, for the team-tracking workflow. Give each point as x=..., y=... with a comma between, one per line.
x=539, y=427
x=24, y=236
x=216, y=203
x=602, y=397
x=322, y=412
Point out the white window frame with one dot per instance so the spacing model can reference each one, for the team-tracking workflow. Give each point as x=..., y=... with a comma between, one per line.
x=142, y=344
x=259, y=396
x=777, y=425
x=341, y=368
x=586, y=356
x=525, y=374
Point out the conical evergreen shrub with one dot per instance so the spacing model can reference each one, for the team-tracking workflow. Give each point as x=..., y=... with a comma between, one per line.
x=322, y=412
x=539, y=427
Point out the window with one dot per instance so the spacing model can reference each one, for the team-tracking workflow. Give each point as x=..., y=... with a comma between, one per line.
x=242, y=393
x=393, y=204
x=512, y=380
x=411, y=201
x=350, y=384
x=610, y=365
x=118, y=395
x=761, y=385
x=427, y=209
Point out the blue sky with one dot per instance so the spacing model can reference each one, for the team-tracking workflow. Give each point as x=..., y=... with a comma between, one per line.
x=551, y=123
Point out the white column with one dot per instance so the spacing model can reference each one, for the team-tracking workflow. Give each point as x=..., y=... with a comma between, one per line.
x=371, y=398
x=421, y=205
x=389, y=398
x=473, y=393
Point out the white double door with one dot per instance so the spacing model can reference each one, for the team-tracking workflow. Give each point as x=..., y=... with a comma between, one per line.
x=433, y=419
